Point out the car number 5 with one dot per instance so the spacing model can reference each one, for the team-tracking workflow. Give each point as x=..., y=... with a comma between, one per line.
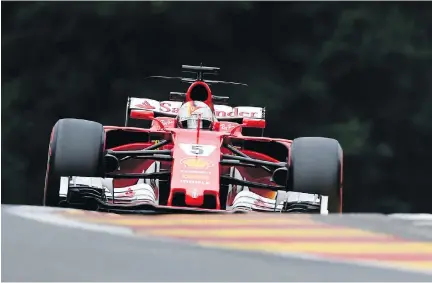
x=197, y=150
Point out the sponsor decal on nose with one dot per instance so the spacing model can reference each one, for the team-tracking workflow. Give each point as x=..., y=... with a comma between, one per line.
x=195, y=177
x=196, y=163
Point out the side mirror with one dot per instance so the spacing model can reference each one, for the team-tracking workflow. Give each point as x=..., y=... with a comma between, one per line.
x=111, y=163
x=141, y=114
x=280, y=176
x=254, y=123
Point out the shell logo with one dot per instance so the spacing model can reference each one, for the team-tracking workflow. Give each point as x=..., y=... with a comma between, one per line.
x=196, y=163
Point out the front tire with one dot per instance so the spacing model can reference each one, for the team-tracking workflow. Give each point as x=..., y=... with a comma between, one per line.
x=316, y=168
x=76, y=149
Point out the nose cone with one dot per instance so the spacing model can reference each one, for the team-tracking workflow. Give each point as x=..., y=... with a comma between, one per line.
x=195, y=171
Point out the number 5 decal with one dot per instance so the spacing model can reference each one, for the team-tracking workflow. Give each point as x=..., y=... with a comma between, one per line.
x=197, y=149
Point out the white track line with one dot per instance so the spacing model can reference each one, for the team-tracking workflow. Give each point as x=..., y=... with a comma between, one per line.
x=423, y=219
x=406, y=216
x=47, y=216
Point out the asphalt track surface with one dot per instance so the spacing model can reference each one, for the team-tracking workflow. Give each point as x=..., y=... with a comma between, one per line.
x=63, y=250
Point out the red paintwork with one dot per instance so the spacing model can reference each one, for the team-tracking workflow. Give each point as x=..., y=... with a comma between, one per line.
x=209, y=163
x=254, y=123
x=180, y=170
x=161, y=123
x=194, y=194
x=181, y=180
x=141, y=114
x=205, y=184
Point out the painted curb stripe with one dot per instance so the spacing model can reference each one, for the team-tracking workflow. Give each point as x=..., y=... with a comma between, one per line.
x=241, y=233
x=284, y=240
x=393, y=257
x=274, y=233
x=200, y=222
x=163, y=226
x=333, y=248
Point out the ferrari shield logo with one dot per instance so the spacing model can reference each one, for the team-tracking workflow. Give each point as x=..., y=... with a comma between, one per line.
x=196, y=163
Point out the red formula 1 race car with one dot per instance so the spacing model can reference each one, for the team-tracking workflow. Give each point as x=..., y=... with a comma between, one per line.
x=192, y=155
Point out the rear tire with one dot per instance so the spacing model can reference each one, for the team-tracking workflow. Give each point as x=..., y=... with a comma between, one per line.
x=316, y=168
x=76, y=149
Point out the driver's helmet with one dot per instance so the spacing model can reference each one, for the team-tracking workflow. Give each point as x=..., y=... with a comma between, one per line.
x=193, y=112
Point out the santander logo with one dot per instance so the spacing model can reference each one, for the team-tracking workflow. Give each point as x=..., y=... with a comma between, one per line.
x=246, y=112
x=145, y=105
x=221, y=111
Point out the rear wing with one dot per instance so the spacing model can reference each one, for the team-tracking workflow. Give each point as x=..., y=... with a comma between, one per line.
x=170, y=109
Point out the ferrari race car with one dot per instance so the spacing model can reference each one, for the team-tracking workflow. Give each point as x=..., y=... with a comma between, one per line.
x=190, y=154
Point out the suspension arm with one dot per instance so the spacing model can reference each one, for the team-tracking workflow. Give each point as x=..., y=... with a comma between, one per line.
x=234, y=181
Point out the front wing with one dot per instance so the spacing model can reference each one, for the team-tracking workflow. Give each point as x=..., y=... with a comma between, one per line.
x=141, y=198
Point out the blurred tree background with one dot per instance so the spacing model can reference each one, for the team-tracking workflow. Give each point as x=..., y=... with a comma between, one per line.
x=360, y=72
